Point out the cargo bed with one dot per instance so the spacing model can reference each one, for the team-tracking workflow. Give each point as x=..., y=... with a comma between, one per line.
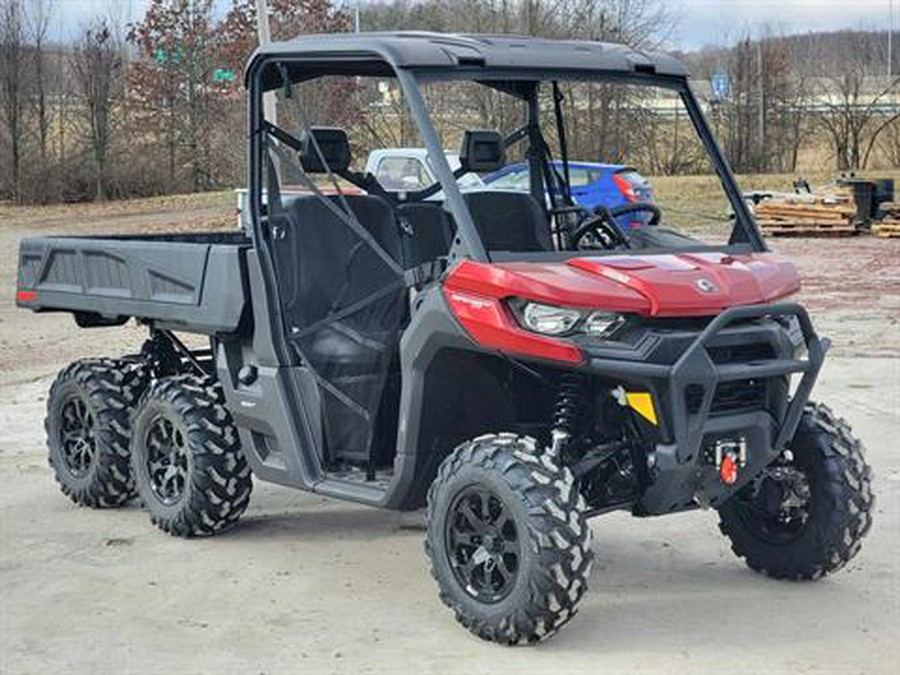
x=190, y=282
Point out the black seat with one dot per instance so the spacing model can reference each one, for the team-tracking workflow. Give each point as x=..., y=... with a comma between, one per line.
x=431, y=231
x=344, y=304
x=344, y=307
x=372, y=212
x=325, y=267
x=509, y=221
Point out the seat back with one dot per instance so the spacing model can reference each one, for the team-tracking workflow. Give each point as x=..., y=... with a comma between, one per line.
x=322, y=262
x=431, y=231
x=509, y=221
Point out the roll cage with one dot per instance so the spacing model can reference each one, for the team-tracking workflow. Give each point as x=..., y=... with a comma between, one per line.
x=514, y=65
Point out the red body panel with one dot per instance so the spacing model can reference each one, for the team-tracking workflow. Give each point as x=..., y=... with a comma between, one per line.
x=685, y=284
x=667, y=285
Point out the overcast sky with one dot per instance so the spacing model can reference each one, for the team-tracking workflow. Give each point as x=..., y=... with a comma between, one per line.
x=703, y=22
x=699, y=22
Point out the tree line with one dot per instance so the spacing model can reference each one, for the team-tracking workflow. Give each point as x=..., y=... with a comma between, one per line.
x=157, y=106
x=147, y=108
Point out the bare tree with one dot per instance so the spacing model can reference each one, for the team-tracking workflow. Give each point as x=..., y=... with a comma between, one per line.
x=96, y=66
x=851, y=95
x=12, y=86
x=889, y=142
x=38, y=27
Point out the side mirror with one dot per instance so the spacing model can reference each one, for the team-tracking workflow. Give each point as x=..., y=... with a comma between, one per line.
x=482, y=151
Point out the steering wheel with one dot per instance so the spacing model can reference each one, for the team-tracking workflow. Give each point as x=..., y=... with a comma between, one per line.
x=634, y=207
x=602, y=229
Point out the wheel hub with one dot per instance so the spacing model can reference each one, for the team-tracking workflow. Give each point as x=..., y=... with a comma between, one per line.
x=77, y=436
x=483, y=544
x=167, y=460
x=776, y=505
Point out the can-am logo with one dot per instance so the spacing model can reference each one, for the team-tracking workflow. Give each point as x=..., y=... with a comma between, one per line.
x=705, y=285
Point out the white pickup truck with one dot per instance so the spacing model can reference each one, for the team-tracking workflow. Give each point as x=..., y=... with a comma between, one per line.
x=408, y=170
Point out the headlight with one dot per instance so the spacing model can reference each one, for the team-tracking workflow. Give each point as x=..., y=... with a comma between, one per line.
x=548, y=319
x=553, y=320
x=601, y=323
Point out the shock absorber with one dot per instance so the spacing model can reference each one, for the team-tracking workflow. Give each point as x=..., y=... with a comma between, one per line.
x=568, y=410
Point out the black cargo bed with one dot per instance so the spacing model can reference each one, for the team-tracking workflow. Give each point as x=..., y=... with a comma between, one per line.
x=192, y=282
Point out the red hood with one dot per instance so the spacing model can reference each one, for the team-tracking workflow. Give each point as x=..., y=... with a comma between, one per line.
x=683, y=284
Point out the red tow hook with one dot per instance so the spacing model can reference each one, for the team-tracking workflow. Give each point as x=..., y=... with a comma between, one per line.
x=728, y=470
x=730, y=458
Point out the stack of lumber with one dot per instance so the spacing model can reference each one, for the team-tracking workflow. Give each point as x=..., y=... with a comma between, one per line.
x=808, y=215
x=889, y=226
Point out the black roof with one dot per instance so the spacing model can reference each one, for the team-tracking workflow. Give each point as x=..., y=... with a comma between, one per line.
x=452, y=51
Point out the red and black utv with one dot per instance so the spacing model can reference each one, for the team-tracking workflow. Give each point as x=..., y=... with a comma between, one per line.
x=514, y=361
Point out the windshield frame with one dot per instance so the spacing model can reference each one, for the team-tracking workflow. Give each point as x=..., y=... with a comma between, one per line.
x=745, y=236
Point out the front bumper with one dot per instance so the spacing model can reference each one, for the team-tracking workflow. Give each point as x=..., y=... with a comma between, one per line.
x=685, y=393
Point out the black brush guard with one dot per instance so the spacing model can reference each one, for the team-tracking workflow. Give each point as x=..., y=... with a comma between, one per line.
x=682, y=477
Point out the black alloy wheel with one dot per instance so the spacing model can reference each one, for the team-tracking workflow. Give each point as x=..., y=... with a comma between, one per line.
x=88, y=427
x=189, y=470
x=508, y=539
x=483, y=544
x=806, y=515
x=167, y=459
x=77, y=436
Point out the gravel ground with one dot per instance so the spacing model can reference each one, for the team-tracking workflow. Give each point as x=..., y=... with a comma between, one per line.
x=306, y=584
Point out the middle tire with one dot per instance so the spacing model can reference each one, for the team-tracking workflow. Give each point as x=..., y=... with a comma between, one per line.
x=186, y=458
x=508, y=539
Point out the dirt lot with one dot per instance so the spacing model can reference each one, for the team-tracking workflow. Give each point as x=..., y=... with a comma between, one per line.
x=307, y=584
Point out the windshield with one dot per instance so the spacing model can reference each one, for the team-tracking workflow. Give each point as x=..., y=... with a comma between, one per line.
x=630, y=151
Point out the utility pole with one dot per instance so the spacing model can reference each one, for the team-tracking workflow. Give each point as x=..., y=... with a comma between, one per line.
x=890, y=53
x=760, y=74
x=262, y=31
x=356, y=16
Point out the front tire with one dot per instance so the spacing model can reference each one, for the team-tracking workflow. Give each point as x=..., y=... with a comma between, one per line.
x=88, y=429
x=805, y=518
x=508, y=540
x=187, y=461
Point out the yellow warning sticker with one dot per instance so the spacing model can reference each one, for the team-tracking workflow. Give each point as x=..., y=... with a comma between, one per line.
x=642, y=403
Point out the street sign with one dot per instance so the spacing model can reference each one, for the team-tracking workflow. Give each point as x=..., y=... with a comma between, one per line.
x=223, y=75
x=721, y=84
x=163, y=55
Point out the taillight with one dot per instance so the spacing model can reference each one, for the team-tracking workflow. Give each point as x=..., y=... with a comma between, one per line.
x=625, y=187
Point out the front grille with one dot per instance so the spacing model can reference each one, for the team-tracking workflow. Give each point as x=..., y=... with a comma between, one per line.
x=739, y=395
x=730, y=397
x=736, y=395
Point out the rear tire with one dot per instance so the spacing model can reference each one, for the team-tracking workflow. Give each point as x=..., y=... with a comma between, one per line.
x=826, y=533
x=187, y=461
x=508, y=540
x=88, y=429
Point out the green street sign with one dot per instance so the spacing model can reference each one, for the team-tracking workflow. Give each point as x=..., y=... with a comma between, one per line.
x=223, y=75
x=162, y=55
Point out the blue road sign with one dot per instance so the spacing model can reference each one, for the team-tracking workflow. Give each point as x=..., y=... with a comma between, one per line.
x=721, y=84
